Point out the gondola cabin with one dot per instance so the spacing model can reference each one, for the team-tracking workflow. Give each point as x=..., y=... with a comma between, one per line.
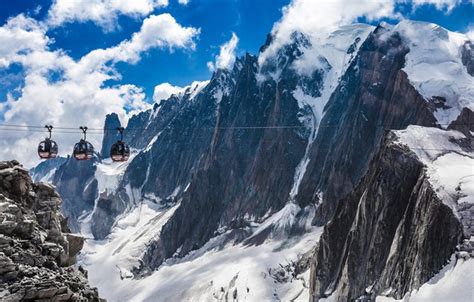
x=120, y=151
x=48, y=148
x=83, y=150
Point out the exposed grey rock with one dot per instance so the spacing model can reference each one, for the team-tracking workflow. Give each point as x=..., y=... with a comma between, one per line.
x=77, y=186
x=36, y=256
x=390, y=235
x=467, y=56
x=465, y=124
x=107, y=208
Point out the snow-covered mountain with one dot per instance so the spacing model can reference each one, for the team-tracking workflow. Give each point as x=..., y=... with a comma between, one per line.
x=334, y=167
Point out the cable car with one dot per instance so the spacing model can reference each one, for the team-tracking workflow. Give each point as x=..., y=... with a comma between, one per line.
x=83, y=150
x=120, y=151
x=48, y=148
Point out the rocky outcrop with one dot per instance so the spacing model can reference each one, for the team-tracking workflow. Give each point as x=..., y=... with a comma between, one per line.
x=467, y=56
x=465, y=124
x=106, y=209
x=37, y=250
x=389, y=236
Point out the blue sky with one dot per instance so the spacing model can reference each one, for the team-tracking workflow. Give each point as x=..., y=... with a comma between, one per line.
x=251, y=20
x=71, y=62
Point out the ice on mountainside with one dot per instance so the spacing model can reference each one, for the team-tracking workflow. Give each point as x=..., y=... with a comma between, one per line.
x=109, y=173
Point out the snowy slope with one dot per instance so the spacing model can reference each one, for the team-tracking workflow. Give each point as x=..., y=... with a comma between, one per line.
x=214, y=272
x=435, y=68
x=109, y=173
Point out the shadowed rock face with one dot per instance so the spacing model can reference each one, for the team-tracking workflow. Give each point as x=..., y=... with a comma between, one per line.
x=467, y=55
x=234, y=179
x=464, y=123
x=391, y=233
x=46, y=168
x=175, y=140
x=374, y=95
x=36, y=246
x=77, y=186
x=111, y=135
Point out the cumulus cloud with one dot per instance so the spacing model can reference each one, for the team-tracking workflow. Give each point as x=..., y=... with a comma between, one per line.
x=156, y=32
x=102, y=12
x=61, y=91
x=20, y=35
x=164, y=91
x=440, y=4
x=183, y=2
x=226, y=57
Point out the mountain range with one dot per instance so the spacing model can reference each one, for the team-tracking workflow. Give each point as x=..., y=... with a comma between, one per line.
x=338, y=167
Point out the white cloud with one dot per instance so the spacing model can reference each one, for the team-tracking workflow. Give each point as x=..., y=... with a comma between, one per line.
x=102, y=12
x=440, y=4
x=156, y=32
x=164, y=91
x=183, y=2
x=20, y=35
x=77, y=94
x=226, y=57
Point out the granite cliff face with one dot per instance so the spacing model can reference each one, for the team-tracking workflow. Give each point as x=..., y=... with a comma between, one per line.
x=37, y=249
x=388, y=236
